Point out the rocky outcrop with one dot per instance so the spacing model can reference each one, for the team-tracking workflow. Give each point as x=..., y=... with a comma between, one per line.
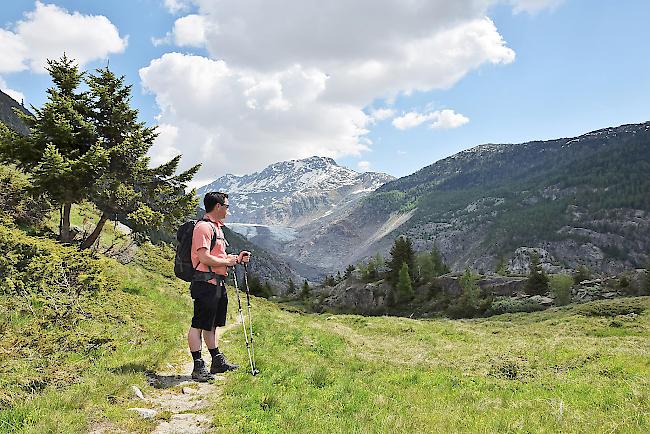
x=8, y=114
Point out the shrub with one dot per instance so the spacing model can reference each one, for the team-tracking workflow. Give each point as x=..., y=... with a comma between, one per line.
x=512, y=305
x=16, y=201
x=612, y=308
x=561, y=287
x=469, y=304
x=582, y=273
x=36, y=265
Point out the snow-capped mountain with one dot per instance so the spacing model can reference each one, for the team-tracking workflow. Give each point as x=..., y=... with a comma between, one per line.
x=293, y=193
x=288, y=201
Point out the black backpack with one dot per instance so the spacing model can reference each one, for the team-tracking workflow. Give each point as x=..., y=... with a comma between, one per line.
x=183, y=268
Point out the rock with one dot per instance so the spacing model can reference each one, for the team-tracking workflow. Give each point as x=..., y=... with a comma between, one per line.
x=137, y=392
x=544, y=301
x=188, y=390
x=609, y=294
x=520, y=262
x=145, y=413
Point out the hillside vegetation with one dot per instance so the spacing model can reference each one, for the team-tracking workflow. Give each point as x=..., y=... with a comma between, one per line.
x=77, y=331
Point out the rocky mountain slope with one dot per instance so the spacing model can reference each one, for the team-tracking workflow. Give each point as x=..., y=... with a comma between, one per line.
x=584, y=200
x=8, y=116
x=288, y=202
x=293, y=193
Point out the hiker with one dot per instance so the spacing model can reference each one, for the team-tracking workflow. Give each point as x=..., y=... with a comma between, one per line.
x=208, y=288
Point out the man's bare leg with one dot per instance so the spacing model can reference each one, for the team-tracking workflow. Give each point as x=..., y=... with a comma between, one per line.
x=210, y=338
x=194, y=339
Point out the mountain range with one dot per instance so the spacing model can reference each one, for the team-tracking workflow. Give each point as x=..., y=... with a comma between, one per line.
x=580, y=201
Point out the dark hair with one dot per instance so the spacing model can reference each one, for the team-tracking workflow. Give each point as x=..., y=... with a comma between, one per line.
x=212, y=198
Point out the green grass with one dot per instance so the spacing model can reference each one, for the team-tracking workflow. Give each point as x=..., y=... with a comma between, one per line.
x=67, y=373
x=579, y=368
x=560, y=370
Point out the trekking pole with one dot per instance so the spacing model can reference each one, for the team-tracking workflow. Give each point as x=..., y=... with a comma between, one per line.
x=250, y=317
x=241, y=318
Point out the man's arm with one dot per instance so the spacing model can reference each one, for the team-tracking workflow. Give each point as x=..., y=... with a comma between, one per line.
x=212, y=261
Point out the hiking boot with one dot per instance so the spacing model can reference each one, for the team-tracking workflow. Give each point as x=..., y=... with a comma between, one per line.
x=200, y=373
x=220, y=364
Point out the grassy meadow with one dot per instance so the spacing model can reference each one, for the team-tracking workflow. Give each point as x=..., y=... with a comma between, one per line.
x=580, y=368
x=68, y=359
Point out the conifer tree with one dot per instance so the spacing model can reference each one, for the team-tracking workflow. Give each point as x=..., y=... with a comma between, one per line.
x=537, y=279
x=305, y=290
x=291, y=286
x=349, y=271
x=61, y=150
x=401, y=252
x=129, y=190
x=439, y=266
x=404, y=287
x=501, y=267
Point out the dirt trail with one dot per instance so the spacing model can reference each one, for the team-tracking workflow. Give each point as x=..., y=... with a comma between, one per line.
x=177, y=394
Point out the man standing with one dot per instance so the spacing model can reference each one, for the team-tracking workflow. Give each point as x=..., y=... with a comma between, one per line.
x=210, y=261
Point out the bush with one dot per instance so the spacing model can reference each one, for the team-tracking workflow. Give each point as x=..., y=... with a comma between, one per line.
x=612, y=308
x=513, y=305
x=16, y=203
x=41, y=266
x=561, y=287
x=582, y=273
x=470, y=303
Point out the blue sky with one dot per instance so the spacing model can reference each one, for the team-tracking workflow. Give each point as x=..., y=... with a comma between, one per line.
x=561, y=69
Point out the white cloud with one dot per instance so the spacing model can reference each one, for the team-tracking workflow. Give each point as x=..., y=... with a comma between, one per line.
x=15, y=94
x=381, y=114
x=439, y=119
x=175, y=6
x=288, y=78
x=235, y=121
x=533, y=6
x=48, y=31
x=190, y=31
x=363, y=165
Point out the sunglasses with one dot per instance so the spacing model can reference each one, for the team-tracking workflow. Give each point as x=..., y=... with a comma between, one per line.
x=225, y=206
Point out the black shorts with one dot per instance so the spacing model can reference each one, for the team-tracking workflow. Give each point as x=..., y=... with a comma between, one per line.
x=210, y=305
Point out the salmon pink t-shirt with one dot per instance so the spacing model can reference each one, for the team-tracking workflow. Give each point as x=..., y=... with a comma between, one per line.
x=202, y=238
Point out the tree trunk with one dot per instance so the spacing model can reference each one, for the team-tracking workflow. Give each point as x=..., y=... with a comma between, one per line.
x=98, y=230
x=64, y=226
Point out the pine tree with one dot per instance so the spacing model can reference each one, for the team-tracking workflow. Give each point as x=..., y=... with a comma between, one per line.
x=61, y=151
x=404, y=288
x=349, y=271
x=501, y=267
x=268, y=290
x=339, y=278
x=537, y=279
x=468, y=304
x=305, y=290
x=439, y=266
x=148, y=199
x=291, y=286
x=424, y=267
x=401, y=252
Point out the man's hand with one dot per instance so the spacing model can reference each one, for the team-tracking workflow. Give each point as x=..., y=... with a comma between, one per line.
x=232, y=260
x=244, y=257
